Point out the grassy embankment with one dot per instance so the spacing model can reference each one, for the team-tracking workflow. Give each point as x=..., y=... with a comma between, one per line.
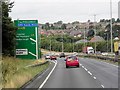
x=15, y=73
x=0, y=72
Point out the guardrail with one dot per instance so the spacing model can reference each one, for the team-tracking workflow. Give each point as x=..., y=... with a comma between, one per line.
x=27, y=83
x=39, y=64
x=100, y=57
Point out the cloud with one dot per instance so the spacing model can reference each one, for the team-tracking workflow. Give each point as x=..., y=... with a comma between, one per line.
x=66, y=10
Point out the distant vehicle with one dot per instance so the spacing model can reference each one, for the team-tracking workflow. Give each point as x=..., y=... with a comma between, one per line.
x=88, y=50
x=104, y=53
x=75, y=53
x=98, y=52
x=62, y=55
x=72, y=61
x=53, y=57
x=47, y=57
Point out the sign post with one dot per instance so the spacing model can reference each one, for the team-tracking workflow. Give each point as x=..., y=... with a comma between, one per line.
x=27, y=39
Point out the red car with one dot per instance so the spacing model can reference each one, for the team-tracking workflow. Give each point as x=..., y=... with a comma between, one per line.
x=53, y=57
x=72, y=61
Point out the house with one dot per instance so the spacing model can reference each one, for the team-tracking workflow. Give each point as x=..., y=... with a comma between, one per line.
x=97, y=39
x=76, y=33
x=43, y=32
x=82, y=41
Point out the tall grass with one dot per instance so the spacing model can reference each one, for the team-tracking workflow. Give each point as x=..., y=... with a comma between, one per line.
x=0, y=71
x=15, y=73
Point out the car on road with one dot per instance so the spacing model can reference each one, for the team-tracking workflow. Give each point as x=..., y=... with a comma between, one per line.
x=62, y=55
x=47, y=56
x=53, y=57
x=72, y=61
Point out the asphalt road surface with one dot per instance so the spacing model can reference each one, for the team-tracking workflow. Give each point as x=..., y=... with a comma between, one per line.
x=106, y=73
x=72, y=77
x=90, y=74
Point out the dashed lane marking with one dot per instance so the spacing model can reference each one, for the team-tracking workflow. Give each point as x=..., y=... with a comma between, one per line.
x=80, y=64
x=86, y=69
x=90, y=73
x=94, y=77
x=83, y=67
x=102, y=86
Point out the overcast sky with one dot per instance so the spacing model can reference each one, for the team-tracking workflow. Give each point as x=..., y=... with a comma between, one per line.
x=65, y=10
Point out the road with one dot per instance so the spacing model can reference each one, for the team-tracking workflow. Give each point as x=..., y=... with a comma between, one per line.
x=73, y=77
x=90, y=74
x=106, y=73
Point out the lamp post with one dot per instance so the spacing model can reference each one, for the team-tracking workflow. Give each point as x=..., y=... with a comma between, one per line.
x=84, y=36
x=62, y=43
x=107, y=38
x=95, y=30
x=111, y=26
x=50, y=44
x=73, y=44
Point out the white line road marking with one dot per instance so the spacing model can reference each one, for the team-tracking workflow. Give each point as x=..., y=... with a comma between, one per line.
x=86, y=69
x=47, y=76
x=83, y=67
x=94, y=77
x=89, y=72
x=102, y=86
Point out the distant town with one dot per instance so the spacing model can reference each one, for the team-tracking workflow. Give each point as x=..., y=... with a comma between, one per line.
x=85, y=30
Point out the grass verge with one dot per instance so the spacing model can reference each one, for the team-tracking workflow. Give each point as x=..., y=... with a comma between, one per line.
x=0, y=72
x=15, y=73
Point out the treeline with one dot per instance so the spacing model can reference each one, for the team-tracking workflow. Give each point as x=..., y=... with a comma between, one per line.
x=70, y=46
x=107, y=33
x=55, y=26
x=8, y=29
x=61, y=26
x=108, y=20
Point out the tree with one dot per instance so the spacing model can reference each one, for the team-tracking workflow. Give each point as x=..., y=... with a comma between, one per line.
x=52, y=26
x=60, y=22
x=102, y=20
x=108, y=27
x=8, y=29
x=113, y=20
x=47, y=26
x=118, y=20
x=90, y=33
x=63, y=26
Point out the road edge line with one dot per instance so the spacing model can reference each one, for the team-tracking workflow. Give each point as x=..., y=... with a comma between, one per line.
x=48, y=76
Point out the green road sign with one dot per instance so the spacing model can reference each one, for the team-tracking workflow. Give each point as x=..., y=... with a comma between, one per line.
x=27, y=39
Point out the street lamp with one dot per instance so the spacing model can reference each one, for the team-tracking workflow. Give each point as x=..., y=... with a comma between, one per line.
x=50, y=44
x=107, y=38
x=111, y=25
x=84, y=36
x=95, y=30
x=62, y=43
x=73, y=43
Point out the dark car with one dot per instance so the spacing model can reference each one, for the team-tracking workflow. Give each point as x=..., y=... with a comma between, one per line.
x=62, y=55
x=53, y=57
